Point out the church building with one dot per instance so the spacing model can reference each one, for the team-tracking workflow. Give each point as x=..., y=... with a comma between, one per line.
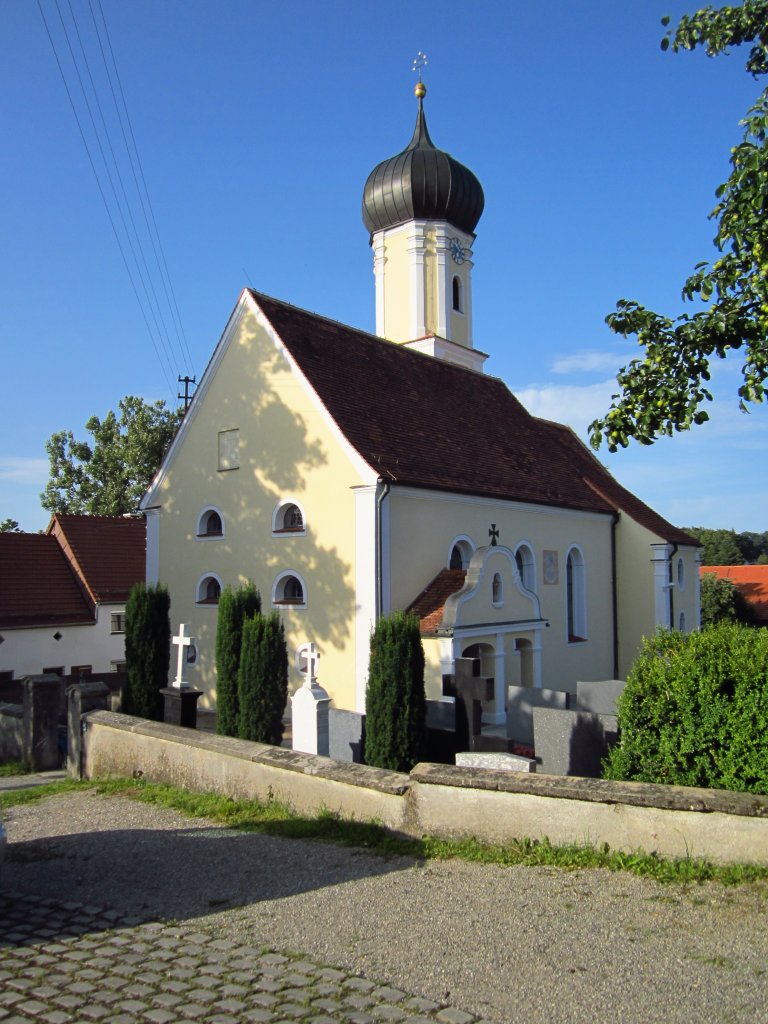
x=350, y=474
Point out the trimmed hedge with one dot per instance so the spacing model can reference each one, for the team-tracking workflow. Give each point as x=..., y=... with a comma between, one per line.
x=695, y=711
x=147, y=650
x=395, y=705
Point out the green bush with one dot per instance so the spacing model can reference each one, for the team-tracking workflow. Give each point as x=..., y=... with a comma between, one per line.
x=395, y=706
x=695, y=711
x=262, y=679
x=147, y=650
x=234, y=607
x=722, y=601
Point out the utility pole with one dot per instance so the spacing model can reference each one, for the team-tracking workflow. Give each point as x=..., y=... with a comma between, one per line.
x=186, y=381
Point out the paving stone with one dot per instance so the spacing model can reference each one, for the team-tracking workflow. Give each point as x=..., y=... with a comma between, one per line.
x=33, y=1007
x=360, y=984
x=194, y=1010
x=420, y=1005
x=450, y=1015
x=257, y=1016
x=292, y=1011
x=389, y=995
x=159, y=1016
x=55, y=1017
x=387, y=1012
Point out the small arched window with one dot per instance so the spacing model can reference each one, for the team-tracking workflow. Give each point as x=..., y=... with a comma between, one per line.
x=681, y=625
x=288, y=517
x=497, y=590
x=458, y=297
x=289, y=589
x=209, y=590
x=461, y=553
x=210, y=523
x=526, y=566
x=681, y=574
x=575, y=597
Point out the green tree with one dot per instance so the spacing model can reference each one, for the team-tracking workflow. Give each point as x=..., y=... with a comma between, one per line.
x=9, y=526
x=109, y=474
x=722, y=601
x=395, y=705
x=234, y=607
x=694, y=711
x=720, y=547
x=147, y=650
x=263, y=679
x=666, y=389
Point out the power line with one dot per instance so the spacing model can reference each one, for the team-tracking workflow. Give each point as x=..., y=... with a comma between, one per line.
x=148, y=284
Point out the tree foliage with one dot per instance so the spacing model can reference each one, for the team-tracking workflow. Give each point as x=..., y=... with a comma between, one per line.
x=395, y=705
x=722, y=601
x=725, y=547
x=147, y=650
x=695, y=711
x=666, y=389
x=9, y=526
x=109, y=474
x=235, y=606
x=263, y=679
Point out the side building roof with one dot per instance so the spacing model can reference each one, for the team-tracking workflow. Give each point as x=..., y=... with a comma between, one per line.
x=107, y=552
x=38, y=586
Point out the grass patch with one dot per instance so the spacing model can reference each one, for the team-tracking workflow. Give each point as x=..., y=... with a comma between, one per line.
x=275, y=819
x=13, y=768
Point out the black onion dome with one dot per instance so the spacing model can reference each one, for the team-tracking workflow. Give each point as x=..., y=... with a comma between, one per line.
x=422, y=183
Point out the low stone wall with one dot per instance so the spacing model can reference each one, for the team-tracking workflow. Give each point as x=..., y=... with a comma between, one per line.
x=438, y=800
x=11, y=732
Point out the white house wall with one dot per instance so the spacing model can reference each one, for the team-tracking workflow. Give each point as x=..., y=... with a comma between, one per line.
x=28, y=651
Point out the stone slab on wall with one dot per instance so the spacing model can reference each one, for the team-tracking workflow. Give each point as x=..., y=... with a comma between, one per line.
x=521, y=700
x=495, y=761
x=572, y=742
x=599, y=697
x=346, y=730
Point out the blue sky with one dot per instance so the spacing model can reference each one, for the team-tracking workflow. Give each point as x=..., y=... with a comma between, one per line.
x=257, y=124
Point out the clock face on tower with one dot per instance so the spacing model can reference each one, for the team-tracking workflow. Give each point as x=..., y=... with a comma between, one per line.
x=458, y=255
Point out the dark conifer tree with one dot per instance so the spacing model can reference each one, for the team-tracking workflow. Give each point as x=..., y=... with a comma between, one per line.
x=234, y=607
x=147, y=650
x=395, y=704
x=263, y=679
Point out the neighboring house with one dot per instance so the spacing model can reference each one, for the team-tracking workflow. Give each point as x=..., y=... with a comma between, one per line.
x=63, y=594
x=349, y=475
x=751, y=581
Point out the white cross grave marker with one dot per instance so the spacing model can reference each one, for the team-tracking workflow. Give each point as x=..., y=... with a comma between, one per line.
x=307, y=659
x=182, y=641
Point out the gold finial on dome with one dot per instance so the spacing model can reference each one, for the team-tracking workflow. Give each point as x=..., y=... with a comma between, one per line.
x=419, y=61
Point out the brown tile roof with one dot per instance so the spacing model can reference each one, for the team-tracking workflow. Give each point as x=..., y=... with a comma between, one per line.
x=423, y=422
x=430, y=604
x=752, y=581
x=108, y=552
x=37, y=584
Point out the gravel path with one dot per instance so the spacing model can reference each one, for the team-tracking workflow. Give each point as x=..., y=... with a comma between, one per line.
x=532, y=945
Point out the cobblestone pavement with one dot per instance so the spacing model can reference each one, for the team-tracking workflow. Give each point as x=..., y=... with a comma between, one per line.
x=63, y=962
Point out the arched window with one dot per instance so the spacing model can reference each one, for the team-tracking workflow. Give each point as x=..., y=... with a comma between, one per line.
x=681, y=574
x=458, y=297
x=289, y=588
x=288, y=517
x=497, y=590
x=575, y=596
x=461, y=553
x=210, y=523
x=209, y=589
x=681, y=626
x=526, y=566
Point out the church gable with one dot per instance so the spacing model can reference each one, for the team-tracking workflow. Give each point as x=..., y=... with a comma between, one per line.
x=493, y=594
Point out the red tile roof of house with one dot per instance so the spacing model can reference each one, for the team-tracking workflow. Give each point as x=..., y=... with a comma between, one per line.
x=430, y=604
x=752, y=581
x=38, y=586
x=423, y=422
x=108, y=552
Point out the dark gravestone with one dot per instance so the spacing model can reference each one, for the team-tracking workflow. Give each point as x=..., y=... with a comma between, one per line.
x=43, y=697
x=471, y=690
x=82, y=698
x=180, y=705
x=572, y=742
x=599, y=697
x=521, y=700
x=346, y=735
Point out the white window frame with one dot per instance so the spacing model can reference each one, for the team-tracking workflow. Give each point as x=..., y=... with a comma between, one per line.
x=204, y=513
x=466, y=547
x=278, y=515
x=202, y=602
x=576, y=596
x=528, y=575
x=278, y=590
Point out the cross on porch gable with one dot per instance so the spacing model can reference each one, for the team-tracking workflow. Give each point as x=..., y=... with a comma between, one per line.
x=493, y=533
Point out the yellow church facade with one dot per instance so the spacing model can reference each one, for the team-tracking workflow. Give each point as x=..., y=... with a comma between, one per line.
x=350, y=474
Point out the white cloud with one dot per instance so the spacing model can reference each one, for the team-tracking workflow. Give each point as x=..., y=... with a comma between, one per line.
x=24, y=471
x=590, y=362
x=576, y=406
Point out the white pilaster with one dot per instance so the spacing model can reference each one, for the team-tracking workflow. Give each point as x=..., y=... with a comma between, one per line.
x=379, y=261
x=365, y=586
x=153, y=545
x=417, y=280
x=661, y=584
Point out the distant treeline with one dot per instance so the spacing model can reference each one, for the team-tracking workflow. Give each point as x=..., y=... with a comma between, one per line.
x=726, y=547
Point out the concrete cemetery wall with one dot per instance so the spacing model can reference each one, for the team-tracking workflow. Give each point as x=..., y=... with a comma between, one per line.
x=438, y=800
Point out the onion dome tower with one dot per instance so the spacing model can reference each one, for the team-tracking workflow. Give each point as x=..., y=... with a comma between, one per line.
x=421, y=208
